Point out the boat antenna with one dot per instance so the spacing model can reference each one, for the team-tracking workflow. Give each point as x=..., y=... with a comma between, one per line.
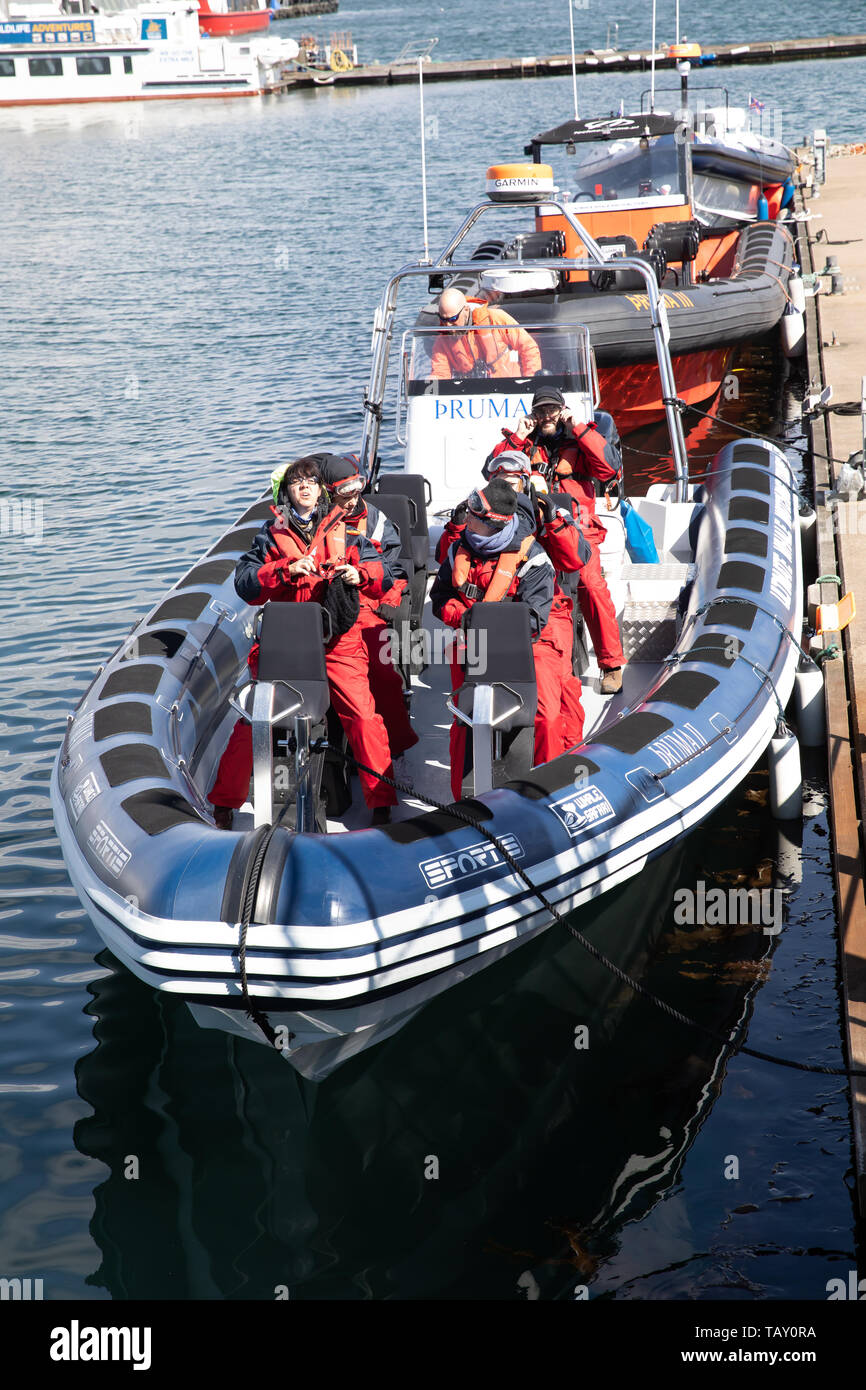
x=653, y=64
x=573, y=58
x=678, y=21
x=427, y=260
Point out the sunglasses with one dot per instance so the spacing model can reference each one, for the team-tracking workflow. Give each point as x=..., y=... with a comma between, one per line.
x=452, y=319
x=545, y=410
x=349, y=487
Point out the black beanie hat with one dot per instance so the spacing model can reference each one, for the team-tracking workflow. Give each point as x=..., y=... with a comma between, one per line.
x=336, y=469
x=496, y=503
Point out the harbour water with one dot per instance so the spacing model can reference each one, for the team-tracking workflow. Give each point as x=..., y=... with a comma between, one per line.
x=188, y=292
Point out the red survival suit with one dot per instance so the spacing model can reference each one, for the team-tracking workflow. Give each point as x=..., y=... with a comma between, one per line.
x=525, y=575
x=575, y=457
x=261, y=576
x=385, y=682
x=509, y=351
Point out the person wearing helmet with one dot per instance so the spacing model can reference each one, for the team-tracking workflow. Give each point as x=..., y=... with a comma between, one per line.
x=492, y=563
x=342, y=478
x=500, y=348
x=573, y=457
x=305, y=555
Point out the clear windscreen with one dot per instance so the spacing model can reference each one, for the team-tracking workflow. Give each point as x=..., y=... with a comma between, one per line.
x=605, y=170
x=484, y=358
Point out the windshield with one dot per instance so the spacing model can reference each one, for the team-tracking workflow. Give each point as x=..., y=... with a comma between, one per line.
x=453, y=360
x=603, y=170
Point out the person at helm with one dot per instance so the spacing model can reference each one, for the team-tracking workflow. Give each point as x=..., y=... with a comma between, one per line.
x=305, y=555
x=572, y=458
x=490, y=562
x=499, y=347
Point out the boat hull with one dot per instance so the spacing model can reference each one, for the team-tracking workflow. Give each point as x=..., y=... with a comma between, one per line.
x=220, y=25
x=348, y=935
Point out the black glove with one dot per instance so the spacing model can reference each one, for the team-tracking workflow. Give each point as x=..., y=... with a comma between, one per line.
x=546, y=506
x=392, y=614
x=458, y=516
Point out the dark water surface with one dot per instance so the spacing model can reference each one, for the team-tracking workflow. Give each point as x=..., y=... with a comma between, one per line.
x=188, y=291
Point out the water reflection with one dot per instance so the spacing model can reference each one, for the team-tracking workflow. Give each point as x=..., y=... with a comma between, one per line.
x=491, y=1142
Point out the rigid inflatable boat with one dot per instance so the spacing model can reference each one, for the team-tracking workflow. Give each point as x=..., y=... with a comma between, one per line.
x=655, y=186
x=297, y=929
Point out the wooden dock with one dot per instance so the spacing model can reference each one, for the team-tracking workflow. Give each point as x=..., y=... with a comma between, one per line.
x=836, y=347
x=306, y=7
x=559, y=65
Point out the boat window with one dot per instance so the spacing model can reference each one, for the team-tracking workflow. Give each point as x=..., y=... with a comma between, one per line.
x=604, y=170
x=45, y=67
x=479, y=358
x=720, y=199
x=7, y=67
x=127, y=63
x=93, y=65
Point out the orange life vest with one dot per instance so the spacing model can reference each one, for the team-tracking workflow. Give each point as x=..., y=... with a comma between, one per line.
x=507, y=565
x=327, y=545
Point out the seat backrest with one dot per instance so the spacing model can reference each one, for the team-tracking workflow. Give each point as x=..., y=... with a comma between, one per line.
x=397, y=510
x=680, y=241
x=292, y=649
x=412, y=486
x=499, y=652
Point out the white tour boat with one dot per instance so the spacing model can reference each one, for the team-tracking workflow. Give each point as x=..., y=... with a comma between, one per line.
x=75, y=51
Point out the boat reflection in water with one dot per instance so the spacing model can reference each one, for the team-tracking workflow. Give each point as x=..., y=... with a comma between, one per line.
x=492, y=1149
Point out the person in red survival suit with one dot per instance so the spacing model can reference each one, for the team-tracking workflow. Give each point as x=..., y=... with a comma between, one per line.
x=345, y=486
x=490, y=563
x=304, y=555
x=557, y=530
x=571, y=456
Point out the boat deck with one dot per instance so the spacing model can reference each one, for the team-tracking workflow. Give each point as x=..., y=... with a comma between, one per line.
x=426, y=766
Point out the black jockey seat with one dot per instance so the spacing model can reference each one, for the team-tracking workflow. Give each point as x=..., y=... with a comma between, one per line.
x=499, y=696
x=402, y=498
x=287, y=705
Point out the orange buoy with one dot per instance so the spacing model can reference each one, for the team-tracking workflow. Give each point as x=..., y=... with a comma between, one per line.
x=528, y=182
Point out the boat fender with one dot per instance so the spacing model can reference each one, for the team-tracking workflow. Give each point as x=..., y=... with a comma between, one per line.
x=786, y=780
x=763, y=209
x=639, y=540
x=797, y=292
x=793, y=328
x=809, y=694
x=809, y=539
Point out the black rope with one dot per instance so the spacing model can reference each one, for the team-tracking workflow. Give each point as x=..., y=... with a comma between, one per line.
x=247, y=908
x=456, y=814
